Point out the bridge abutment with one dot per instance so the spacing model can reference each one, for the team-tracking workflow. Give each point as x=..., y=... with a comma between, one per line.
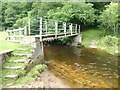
x=38, y=55
x=77, y=40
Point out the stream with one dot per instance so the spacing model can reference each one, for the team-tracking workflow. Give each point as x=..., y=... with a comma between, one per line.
x=82, y=67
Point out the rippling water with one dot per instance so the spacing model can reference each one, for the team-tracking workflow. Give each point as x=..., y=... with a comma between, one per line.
x=83, y=67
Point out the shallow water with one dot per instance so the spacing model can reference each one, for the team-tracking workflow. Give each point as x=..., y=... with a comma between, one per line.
x=83, y=67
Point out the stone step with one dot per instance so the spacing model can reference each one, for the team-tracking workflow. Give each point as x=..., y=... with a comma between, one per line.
x=21, y=61
x=27, y=55
x=12, y=76
x=14, y=67
x=21, y=49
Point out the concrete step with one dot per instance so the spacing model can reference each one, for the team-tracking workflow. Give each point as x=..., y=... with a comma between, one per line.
x=14, y=67
x=12, y=76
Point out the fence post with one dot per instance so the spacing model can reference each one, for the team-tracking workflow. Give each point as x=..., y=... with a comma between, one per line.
x=40, y=31
x=56, y=29
x=79, y=29
x=65, y=28
x=25, y=30
x=29, y=25
x=71, y=28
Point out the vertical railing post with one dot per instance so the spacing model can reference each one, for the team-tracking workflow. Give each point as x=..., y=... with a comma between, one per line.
x=56, y=29
x=20, y=31
x=79, y=29
x=8, y=35
x=25, y=30
x=76, y=29
x=14, y=32
x=40, y=32
x=46, y=27
x=29, y=26
x=71, y=28
x=64, y=28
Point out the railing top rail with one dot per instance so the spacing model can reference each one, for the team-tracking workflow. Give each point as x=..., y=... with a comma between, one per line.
x=14, y=30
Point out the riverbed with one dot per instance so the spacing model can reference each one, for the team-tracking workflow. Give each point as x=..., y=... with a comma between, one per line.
x=82, y=67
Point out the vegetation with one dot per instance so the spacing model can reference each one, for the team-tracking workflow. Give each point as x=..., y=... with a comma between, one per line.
x=105, y=15
x=108, y=43
x=109, y=18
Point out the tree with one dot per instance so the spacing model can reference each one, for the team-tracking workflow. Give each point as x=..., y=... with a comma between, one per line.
x=109, y=18
x=81, y=13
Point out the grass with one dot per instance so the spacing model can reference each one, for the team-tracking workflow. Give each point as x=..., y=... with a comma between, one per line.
x=105, y=41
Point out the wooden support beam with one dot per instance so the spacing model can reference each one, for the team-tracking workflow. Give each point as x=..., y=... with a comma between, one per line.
x=64, y=28
x=29, y=26
x=40, y=31
x=56, y=29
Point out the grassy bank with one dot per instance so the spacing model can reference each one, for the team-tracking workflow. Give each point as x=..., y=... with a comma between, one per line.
x=105, y=41
x=5, y=45
x=23, y=76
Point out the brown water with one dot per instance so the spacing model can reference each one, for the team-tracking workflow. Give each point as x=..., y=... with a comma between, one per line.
x=83, y=67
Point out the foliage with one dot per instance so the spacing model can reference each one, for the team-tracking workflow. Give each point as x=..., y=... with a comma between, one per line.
x=109, y=18
x=12, y=11
x=108, y=43
x=74, y=12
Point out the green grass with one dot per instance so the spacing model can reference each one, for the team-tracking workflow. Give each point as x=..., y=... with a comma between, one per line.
x=105, y=41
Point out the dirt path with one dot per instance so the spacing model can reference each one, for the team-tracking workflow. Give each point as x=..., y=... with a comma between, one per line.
x=48, y=80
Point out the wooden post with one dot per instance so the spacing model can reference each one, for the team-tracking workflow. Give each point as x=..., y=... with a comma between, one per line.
x=76, y=29
x=46, y=26
x=40, y=32
x=56, y=29
x=29, y=26
x=79, y=29
x=65, y=28
x=71, y=28
x=25, y=30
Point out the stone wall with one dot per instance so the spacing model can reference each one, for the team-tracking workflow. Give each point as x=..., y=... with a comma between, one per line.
x=4, y=55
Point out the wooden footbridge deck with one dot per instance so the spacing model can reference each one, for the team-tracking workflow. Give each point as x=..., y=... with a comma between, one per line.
x=44, y=29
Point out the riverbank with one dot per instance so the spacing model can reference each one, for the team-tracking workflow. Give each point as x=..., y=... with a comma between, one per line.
x=98, y=38
x=47, y=80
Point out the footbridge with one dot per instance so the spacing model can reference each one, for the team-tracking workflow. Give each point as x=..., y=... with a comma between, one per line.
x=38, y=30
